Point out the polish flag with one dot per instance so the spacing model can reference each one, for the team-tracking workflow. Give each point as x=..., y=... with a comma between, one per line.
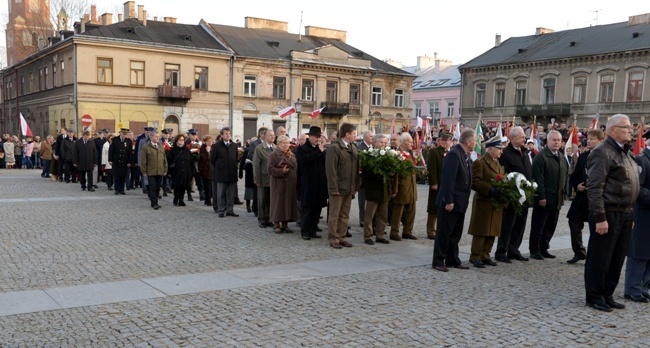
x=594, y=124
x=25, y=127
x=315, y=113
x=639, y=143
x=287, y=111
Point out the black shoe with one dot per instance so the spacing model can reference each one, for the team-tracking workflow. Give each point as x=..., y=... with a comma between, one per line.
x=83, y=189
x=238, y=202
x=315, y=236
x=547, y=255
x=536, y=256
x=503, y=259
x=395, y=238
x=156, y=207
x=110, y=188
x=201, y=196
x=613, y=304
x=189, y=198
x=117, y=193
x=95, y=186
x=642, y=299
x=646, y=295
x=477, y=263
x=181, y=204
x=221, y=215
x=347, y=235
x=489, y=262
x=263, y=225
x=382, y=241
x=164, y=193
x=270, y=224
x=599, y=306
x=576, y=258
x=91, y=190
x=122, y=192
x=519, y=258
x=361, y=224
x=248, y=210
x=232, y=214
x=306, y=237
x=318, y=229
x=369, y=242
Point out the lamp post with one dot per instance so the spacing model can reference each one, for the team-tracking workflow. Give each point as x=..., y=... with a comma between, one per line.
x=298, y=106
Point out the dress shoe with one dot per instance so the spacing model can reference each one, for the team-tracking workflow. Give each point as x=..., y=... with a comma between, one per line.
x=503, y=259
x=409, y=236
x=536, y=256
x=306, y=237
x=613, y=304
x=232, y=214
x=270, y=224
x=315, y=236
x=263, y=225
x=221, y=215
x=397, y=238
x=361, y=224
x=547, y=255
x=164, y=193
x=336, y=245
x=646, y=295
x=95, y=186
x=370, y=242
x=189, y=198
x=576, y=258
x=460, y=266
x=599, y=306
x=519, y=258
x=155, y=207
x=431, y=237
x=181, y=204
x=347, y=235
x=318, y=229
x=83, y=189
x=238, y=202
x=91, y=190
x=441, y=268
x=637, y=298
x=489, y=262
x=382, y=241
x=122, y=192
x=477, y=263
x=345, y=244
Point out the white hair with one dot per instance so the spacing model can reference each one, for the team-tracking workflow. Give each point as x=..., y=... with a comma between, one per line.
x=404, y=137
x=615, y=120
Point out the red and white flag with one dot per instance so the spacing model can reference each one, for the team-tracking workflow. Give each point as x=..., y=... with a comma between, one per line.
x=594, y=124
x=25, y=127
x=287, y=111
x=315, y=113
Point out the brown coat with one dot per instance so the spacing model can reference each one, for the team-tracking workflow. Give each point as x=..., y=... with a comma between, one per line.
x=405, y=189
x=486, y=219
x=153, y=161
x=341, y=168
x=46, y=151
x=284, y=196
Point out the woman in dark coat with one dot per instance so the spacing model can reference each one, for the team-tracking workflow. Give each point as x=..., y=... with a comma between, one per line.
x=205, y=168
x=246, y=173
x=179, y=160
x=284, y=203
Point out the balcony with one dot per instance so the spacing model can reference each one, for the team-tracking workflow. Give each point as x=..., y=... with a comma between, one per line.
x=355, y=109
x=332, y=108
x=544, y=110
x=175, y=92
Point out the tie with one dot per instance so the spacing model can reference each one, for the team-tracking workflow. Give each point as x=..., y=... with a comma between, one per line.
x=227, y=143
x=155, y=146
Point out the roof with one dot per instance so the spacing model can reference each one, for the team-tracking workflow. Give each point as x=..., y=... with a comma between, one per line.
x=600, y=39
x=157, y=32
x=443, y=78
x=275, y=44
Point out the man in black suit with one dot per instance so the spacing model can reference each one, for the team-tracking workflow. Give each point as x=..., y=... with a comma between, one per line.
x=579, y=211
x=364, y=144
x=452, y=202
x=85, y=160
x=119, y=157
x=223, y=156
x=99, y=145
x=515, y=158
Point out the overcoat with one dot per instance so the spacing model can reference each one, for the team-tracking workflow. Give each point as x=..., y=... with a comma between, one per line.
x=246, y=170
x=284, y=204
x=456, y=182
x=313, y=180
x=639, y=246
x=486, y=218
x=434, y=170
x=68, y=149
x=180, y=167
x=85, y=155
x=224, y=162
x=119, y=153
x=341, y=167
x=550, y=174
x=153, y=161
x=579, y=209
x=260, y=163
x=204, y=165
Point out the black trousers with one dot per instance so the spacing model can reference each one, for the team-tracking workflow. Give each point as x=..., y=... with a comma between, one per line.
x=109, y=178
x=606, y=255
x=575, y=227
x=120, y=181
x=155, y=181
x=207, y=190
x=179, y=194
x=309, y=217
x=513, y=227
x=448, y=233
x=86, y=178
x=542, y=228
x=69, y=171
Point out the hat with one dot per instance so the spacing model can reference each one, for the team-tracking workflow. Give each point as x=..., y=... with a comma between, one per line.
x=495, y=141
x=530, y=141
x=315, y=131
x=192, y=131
x=167, y=131
x=124, y=130
x=148, y=129
x=647, y=134
x=105, y=131
x=445, y=135
x=70, y=130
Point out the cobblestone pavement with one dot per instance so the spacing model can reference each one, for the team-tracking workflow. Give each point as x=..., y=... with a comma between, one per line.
x=55, y=235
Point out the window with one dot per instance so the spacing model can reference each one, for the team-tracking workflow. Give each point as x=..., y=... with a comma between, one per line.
x=308, y=90
x=376, y=96
x=434, y=107
x=40, y=79
x=249, y=85
x=331, y=92
x=549, y=91
x=579, y=90
x=520, y=96
x=54, y=84
x=480, y=95
x=172, y=75
x=201, y=78
x=62, y=73
x=355, y=94
x=450, y=109
x=399, y=98
x=30, y=87
x=418, y=109
x=279, y=87
x=137, y=73
x=104, y=70
x=635, y=86
x=500, y=95
x=606, y=89
x=22, y=84
x=45, y=73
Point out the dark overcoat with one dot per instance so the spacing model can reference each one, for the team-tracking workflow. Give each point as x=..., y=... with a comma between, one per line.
x=67, y=149
x=550, y=174
x=224, y=162
x=434, y=173
x=85, y=155
x=119, y=153
x=284, y=201
x=246, y=169
x=579, y=209
x=456, y=182
x=639, y=246
x=313, y=180
x=204, y=165
x=179, y=160
x=486, y=218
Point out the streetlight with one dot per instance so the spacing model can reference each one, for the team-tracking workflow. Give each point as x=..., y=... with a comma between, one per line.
x=298, y=106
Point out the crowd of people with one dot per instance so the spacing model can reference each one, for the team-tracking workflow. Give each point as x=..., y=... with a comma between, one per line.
x=293, y=181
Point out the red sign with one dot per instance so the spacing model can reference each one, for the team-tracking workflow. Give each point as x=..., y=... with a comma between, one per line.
x=491, y=124
x=86, y=120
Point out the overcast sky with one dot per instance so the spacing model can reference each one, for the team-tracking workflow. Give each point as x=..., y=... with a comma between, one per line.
x=402, y=30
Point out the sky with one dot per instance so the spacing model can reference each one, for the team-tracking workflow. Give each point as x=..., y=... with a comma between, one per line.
x=400, y=30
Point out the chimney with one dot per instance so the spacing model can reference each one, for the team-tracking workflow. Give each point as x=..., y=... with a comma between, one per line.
x=107, y=19
x=93, y=13
x=497, y=40
x=129, y=9
x=155, y=18
x=144, y=18
x=325, y=33
x=140, y=11
x=542, y=31
x=638, y=19
x=261, y=23
x=425, y=62
x=83, y=25
x=120, y=17
x=170, y=19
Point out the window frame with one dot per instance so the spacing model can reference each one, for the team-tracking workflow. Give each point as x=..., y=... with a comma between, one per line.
x=138, y=72
x=635, y=91
x=376, y=94
x=104, y=70
x=307, y=90
x=548, y=91
x=355, y=93
x=332, y=91
x=250, y=84
x=417, y=109
x=172, y=76
x=451, y=105
x=521, y=94
x=499, y=94
x=434, y=106
x=607, y=87
x=399, y=98
x=201, y=79
x=279, y=87
x=579, y=90
x=479, y=94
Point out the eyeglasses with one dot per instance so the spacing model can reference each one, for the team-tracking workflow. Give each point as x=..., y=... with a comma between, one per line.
x=625, y=127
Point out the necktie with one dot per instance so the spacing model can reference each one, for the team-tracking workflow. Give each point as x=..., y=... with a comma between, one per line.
x=155, y=146
x=227, y=143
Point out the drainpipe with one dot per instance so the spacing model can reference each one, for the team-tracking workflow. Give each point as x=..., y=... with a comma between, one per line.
x=17, y=105
x=231, y=97
x=75, y=100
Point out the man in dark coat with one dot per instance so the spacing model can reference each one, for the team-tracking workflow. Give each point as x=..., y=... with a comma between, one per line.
x=313, y=182
x=57, y=151
x=377, y=195
x=99, y=145
x=515, y=158
x=452, y=202
x=434, y=169
x=67, y=156
x=119, y=157
x=579, y=212
x=223, y=156
x=85, y=159
x=637, y=269
x=364, y=144
x=251, y=152
x=550, y=170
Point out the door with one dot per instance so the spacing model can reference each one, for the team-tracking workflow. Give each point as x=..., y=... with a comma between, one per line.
x=137, y=127
x=202, y=129
x=105, y=124
x=250, y=128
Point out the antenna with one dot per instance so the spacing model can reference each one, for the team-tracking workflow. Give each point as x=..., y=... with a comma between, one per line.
x=300, y=29
x=596, y=12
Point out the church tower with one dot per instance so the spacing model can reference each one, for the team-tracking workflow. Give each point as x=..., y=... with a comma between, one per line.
x=28, y=28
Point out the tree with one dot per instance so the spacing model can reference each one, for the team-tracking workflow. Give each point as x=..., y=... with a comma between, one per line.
x=75, y=10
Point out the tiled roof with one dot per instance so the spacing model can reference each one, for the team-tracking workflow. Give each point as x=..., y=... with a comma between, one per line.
x=444, y=78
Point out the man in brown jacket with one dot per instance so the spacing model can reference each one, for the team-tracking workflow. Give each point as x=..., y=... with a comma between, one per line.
x=342, y=172
x=153, y=165
x=46, y=156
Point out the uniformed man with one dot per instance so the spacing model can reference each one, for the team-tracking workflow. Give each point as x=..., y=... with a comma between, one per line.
x=434, y=168
x=119, y=157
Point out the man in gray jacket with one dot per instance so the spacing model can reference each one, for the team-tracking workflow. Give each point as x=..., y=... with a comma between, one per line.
x=262, y=178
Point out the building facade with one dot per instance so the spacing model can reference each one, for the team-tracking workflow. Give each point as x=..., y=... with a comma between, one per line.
x=28, y=28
